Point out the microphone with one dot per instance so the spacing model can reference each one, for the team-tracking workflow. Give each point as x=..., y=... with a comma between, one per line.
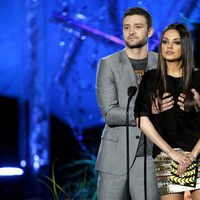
x=131, y=91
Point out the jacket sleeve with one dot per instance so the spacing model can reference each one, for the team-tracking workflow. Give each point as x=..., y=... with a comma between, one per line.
x=107, y=97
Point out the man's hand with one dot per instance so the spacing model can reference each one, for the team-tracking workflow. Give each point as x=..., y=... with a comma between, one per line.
x=167, y=103
x=197, y=99
x=181, y=100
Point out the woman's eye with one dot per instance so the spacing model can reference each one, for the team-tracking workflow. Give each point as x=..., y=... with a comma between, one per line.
x=177, y=42
x=164, y=41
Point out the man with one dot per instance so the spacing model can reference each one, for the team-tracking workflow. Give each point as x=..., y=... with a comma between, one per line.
x=115, y=74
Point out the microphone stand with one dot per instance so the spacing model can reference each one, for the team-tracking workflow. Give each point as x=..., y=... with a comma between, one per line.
x=145, y=167
x=127, y=146
x=145, y=162
x=131, y=92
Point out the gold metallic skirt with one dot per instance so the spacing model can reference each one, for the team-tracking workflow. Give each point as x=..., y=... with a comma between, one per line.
x=163, y=173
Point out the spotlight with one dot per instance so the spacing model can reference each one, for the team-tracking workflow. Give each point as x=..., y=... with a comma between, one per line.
x=11, y=171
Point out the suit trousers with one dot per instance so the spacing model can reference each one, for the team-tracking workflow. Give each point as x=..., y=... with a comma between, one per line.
x=113, y=187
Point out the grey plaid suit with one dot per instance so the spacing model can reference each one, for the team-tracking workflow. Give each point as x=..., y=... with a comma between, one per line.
x=115, y=74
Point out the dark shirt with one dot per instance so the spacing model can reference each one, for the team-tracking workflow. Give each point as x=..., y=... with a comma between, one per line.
x=139, y=67
x=178, y=128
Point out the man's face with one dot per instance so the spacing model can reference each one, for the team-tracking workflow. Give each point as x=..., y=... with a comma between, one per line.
x=135, y=31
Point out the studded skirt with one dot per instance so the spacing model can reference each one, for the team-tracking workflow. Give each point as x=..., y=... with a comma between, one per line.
x=163, y=168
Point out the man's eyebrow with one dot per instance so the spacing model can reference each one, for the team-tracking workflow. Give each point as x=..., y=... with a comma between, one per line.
x=134, y=24
x=138, y=24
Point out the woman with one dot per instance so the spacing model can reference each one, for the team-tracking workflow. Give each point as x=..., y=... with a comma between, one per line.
x=176, y=132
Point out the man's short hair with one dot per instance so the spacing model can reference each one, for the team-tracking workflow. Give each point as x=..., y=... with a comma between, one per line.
x=139, y=11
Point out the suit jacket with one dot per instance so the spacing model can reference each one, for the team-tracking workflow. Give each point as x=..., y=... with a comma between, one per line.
x=115, y=74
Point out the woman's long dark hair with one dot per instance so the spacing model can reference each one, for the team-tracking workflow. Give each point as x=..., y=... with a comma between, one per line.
x=160, y=86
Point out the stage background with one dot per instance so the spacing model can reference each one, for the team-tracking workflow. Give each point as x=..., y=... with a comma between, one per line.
x=50, y=124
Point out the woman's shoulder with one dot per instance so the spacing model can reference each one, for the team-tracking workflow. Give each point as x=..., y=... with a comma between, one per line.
x=151, y=71
x=150, y=74
x=196, y=79
x=196, y=73
x=149, y=77
x=196, y=70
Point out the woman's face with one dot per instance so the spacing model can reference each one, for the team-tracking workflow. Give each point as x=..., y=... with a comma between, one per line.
x=171, y=45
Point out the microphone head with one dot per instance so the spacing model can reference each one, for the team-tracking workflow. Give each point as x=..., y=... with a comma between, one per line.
x=132, y=90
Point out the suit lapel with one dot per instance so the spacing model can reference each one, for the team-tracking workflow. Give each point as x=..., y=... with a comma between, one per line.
x=127, y=69
x=152, y=60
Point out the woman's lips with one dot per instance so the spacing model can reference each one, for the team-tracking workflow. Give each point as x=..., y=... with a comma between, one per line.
x=169, y=52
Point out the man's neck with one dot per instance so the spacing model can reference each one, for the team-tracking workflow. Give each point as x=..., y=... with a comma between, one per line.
x=137, y=53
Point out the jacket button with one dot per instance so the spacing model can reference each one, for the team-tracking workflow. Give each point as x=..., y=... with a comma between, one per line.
x=137, y=137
